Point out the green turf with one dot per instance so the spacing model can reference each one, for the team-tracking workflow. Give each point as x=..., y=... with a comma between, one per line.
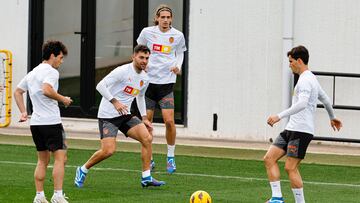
x=117, y=179
x=346, y=160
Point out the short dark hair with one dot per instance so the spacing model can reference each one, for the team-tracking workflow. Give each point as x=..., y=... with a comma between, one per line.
x=141, y=48
x=53, y=47
x=299, y=52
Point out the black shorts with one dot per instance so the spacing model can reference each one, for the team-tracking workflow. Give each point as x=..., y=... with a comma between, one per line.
x=109, y=127
x=156, y=92
x=48, y=137
x=160, y=95
x=294, y=143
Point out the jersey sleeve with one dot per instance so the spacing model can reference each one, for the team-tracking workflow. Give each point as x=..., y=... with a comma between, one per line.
x=304, y=90
x=23, y=84
x=103, y=87
x=181, y=46
x=323, y=98
x=142, y=39
x=140, y=100
x=51, y=78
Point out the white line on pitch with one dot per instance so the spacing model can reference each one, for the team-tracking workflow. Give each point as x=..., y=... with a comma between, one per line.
x=190, y=174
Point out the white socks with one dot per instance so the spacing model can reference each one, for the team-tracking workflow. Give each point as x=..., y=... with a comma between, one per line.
x=298, y=195
x=84, y=169
x=171, y=150
x=58, y=193
x=146, y=173
x=276, y=189
x=40, y=194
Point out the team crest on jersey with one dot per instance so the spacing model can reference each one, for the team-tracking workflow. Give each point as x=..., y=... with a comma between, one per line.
x=141, y=83
x=171, y=39
x=161, y=48
x=131, y=91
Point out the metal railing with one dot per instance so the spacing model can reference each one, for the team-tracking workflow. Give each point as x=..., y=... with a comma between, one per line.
x=334, y=76
x=335, y=106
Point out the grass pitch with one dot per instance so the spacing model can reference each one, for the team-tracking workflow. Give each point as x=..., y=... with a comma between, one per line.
x=239, y=176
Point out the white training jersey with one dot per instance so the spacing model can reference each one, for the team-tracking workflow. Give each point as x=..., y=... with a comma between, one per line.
x=309, y=89
x=124, y=84
x=45, y=110
x=163, y=46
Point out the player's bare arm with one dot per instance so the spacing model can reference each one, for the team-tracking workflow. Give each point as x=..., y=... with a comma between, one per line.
x=272, y=120
x=336, y=124
x=175, y=70
x=121, y=108
x=19, y=98
x=51, y=93
x=147, y=123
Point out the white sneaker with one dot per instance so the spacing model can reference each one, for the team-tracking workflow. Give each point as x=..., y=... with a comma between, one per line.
x=40, y=200
x=57, y=199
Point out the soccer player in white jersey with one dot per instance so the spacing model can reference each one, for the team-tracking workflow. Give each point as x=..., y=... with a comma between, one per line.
x=119, y=88
x=167, y=45
x=299, y=131
x=45, y=124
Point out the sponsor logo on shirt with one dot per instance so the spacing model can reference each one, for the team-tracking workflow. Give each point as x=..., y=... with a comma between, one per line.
x=161, y=48
x=131, y=91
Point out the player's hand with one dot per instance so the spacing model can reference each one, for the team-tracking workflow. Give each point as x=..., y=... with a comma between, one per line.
x=148, y=124
x=67, y=101
x=336, y=124
x=272, y=120
x=23, y=117
x=121, y=108
x=175, y=70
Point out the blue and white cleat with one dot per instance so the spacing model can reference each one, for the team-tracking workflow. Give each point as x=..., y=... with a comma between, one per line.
x=152, y=165
x=276, y=200
x=79, y=178
x=171, y=166
x=150, y=181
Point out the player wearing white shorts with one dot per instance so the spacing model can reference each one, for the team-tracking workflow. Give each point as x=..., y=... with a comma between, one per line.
x=299, y=131
x=45, y=124
x=119, y=88
x=167, y=45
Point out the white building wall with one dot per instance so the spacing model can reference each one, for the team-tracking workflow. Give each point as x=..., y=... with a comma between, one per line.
x=234, y=67
x=330, y=29
x=235, y=61
x=14, y=37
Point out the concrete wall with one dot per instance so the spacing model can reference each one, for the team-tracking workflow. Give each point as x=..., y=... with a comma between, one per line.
x=235, y=61
x=14, y=37
x=330, y=29
x=234, y=67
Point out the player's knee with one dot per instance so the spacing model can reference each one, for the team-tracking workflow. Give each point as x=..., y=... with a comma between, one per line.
x=289, y=169
x=268, y=160
x=43, y=163
x=170, y=123
x=147, y=140
x=108, y=151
